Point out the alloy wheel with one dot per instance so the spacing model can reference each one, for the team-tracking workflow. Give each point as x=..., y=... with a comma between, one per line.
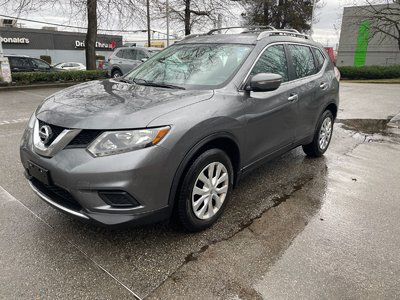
x=210, y=190
x=325, y=133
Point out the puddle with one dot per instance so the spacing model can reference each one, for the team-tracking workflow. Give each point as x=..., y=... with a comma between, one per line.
x=367, y=126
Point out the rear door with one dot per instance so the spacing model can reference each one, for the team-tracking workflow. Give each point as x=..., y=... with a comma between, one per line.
x=117, y=60
x=271, y=116
x=130, y=62
x=306, y=80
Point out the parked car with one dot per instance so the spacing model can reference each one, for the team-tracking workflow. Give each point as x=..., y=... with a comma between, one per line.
x=70, y=66
x=124, y=59
x=21, y=63
x=178, y=132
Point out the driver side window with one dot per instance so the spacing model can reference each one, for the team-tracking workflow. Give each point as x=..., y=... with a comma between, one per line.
x=37, y=63
x=273, y=60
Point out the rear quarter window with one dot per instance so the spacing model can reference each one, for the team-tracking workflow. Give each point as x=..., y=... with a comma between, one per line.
x=320, y=59
x=119, y=53
x=19, y=62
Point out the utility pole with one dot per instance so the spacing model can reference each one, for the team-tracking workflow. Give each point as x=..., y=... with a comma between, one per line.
x=167, y=13
x=312, y=16
x=1, y=47
x=148, y=24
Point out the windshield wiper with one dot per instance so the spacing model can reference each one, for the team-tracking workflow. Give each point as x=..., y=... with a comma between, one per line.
x=157, y=84
x=126, y=80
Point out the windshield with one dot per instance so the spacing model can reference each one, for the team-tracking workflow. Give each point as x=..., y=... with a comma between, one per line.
x=192, y=65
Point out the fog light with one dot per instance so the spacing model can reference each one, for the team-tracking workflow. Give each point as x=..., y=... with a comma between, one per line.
x=118, y=199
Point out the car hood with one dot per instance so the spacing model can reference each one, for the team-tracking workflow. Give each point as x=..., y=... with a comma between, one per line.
x=110, y=104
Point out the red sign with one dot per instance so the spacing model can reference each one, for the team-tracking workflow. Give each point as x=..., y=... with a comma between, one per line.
x=331, y=53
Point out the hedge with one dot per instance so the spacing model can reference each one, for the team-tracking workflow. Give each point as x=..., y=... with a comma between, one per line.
x=35, y=77
x=370, y=72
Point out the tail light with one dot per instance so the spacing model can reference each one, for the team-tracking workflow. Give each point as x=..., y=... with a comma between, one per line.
x=337, y=74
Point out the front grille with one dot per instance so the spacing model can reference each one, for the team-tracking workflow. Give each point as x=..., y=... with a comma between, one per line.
x=84, y=138
x=57, y=194
x=56, y=130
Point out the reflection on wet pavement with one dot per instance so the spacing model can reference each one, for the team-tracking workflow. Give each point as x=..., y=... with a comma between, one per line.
x=368, y=126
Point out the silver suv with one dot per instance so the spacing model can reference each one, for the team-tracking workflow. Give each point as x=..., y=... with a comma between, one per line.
x=178, y=132
x=124, y=59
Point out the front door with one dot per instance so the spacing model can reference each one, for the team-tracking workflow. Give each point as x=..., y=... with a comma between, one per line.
x=271, y=116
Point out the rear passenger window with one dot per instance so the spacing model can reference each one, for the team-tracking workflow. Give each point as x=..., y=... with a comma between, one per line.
x=303, y=61
x=320, y=58
x=130, y=54
x=273, y=60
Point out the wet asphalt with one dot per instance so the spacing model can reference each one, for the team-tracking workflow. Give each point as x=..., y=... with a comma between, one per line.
x=296, y=227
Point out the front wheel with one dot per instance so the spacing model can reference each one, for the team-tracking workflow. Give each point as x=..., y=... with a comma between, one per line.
x=322, y=136
x=116, y=74
x=205, y=190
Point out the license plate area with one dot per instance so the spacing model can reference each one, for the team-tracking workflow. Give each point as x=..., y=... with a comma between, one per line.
x=39, y=173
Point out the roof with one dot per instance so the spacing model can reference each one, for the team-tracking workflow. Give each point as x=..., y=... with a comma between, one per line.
x=247, y=38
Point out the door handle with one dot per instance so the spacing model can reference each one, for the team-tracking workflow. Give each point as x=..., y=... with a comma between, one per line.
x=323, y=85
x=293, y=98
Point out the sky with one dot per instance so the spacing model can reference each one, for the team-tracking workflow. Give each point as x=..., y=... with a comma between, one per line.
x=329, y=17
x=323, y=31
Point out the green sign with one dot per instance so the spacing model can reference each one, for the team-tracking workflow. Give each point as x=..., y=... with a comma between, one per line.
x=362, y=44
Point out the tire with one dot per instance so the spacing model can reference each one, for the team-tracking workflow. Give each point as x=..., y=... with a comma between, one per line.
x=194, y=209
x=116, y=73
x=322, y=136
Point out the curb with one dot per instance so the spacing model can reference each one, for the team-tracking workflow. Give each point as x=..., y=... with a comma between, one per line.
x=395, y=121
x=38, y=86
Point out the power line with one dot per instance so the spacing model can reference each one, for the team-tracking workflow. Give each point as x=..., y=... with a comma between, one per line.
x=79, y=27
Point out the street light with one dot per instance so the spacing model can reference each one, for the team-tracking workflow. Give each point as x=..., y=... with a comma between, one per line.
x=148, y=24
x=1, y=47
x=167, y=13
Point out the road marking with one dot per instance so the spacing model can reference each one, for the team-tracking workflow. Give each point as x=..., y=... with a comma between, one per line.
x=15, y=121
x=6, y=195
x=9, y=197
x=33, y=94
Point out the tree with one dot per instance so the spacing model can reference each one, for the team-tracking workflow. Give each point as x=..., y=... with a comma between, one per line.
x=113, y=12
x=195, y=13
x=296, y=14
x=383, y=18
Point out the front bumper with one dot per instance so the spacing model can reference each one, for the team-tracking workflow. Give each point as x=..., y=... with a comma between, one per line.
x=77, y=178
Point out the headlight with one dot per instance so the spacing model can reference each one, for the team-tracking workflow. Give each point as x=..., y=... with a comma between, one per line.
x=114, y=142
x=32, y=120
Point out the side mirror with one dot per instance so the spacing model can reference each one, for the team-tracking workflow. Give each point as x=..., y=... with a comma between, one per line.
x=264, y=82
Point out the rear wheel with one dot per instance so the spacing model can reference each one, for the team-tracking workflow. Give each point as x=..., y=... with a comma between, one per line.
x=322, y=136
x=205, y=190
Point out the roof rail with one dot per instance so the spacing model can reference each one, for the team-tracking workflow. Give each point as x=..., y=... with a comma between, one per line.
x=287, y=32
x=246, y=29
x=291, y=30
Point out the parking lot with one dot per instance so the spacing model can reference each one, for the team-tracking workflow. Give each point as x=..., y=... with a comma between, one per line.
x=297, y=227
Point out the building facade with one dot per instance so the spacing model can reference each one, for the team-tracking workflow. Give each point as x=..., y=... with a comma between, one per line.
x=62, y=46
x=360, y=44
